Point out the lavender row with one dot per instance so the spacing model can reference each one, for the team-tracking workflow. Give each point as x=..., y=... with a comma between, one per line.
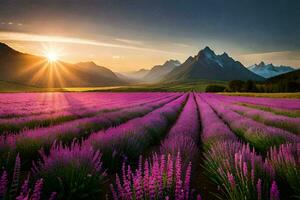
x=213, y=128
x=262, y=137
x=48, y=103
x=30, y=141
x=73, y=172
x=32, y=121
x=270, y=119
x=160, y=177
x=12, y=185
x=240, y=171
x=184, y=135
x=283, y=103
x=286, y=162
x=128, y=140
x=276, y=111
x=86, y=164
x=166, y=175
x=16, y=105
x=81, y=107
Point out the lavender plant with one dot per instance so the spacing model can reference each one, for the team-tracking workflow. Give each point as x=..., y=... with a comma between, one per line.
x=11, y=188
x=30, y=141
x=286, y=162
x=239, y=170
x=183, y=136
x=289, y=124
x=243, y=173
x=74, y=172
x=128, y=140
x=158, y=178
x=262, y=137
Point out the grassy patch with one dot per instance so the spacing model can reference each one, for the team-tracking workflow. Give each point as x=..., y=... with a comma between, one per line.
x=289, y=113
x=191, y=85
x=295, y=95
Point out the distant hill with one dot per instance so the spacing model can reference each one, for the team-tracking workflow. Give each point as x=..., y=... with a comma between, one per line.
x=209, y=66
x=6, y=86
x=37, y=71
x=135, y=75
x=290, y=76
x=158, y=72
x=269, y=70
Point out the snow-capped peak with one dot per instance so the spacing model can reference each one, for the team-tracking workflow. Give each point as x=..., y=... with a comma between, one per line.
x=269, y=70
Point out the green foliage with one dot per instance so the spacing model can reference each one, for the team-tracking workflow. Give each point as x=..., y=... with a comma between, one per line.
x=72, y=182
x=236, y=86
x=267, y=87
x=281, y=86
x=215, y=88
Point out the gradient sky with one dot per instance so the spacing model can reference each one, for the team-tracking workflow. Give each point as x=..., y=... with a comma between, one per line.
x=131, y=34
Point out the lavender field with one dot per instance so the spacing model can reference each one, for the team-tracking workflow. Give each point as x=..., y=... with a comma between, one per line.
x=144, y=146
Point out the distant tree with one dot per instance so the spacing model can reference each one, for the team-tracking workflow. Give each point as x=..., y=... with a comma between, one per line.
x=236, y=86
x=215, y=88
x=292, y=86
x=281, y=86
x=249, y=86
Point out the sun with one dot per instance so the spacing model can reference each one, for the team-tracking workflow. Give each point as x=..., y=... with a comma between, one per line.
x=51, y=56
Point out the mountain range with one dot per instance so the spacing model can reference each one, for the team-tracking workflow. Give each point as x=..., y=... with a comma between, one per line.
x=207, y=65
x=269, y=70
x=34, y=70
x=139, y=74
x=158, y=72
x=37, y=71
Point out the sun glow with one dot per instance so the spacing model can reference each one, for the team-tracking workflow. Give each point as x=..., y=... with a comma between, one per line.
x=51, y=56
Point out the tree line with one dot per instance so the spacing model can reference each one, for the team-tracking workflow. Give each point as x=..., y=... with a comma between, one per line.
x=251, y=86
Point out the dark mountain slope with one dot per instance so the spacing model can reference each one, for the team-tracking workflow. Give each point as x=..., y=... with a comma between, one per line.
x=290, y=76
x=207, y=65
x=159, y=71
x=34, y=70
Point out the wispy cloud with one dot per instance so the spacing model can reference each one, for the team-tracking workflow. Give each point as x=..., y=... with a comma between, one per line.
x=117, y=57
x=9, y=23
x=17, y=36
x=279, y=58
x=133, y=42
x=181, y=45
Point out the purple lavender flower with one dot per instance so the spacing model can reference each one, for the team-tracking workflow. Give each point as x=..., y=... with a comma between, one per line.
x=184, y=134
x=274, y=192
x=153, y=183
x=285, y=160
x=258, y=189
x=36, y=195
x=3, y=184
x=80, y=164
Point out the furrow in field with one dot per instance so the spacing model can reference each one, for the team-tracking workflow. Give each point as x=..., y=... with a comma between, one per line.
x=29, y=142
x=286, y=123
x=53, y=103
x=180, y=144
x=14, y=125
x=262, y=137
x=128, y=141
x=240, y=172
x=287, y=104
x=288, y=113
x=268, y=118
x=18, y=105
x=184, y=135
x=285, y=160
x=182, y=138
